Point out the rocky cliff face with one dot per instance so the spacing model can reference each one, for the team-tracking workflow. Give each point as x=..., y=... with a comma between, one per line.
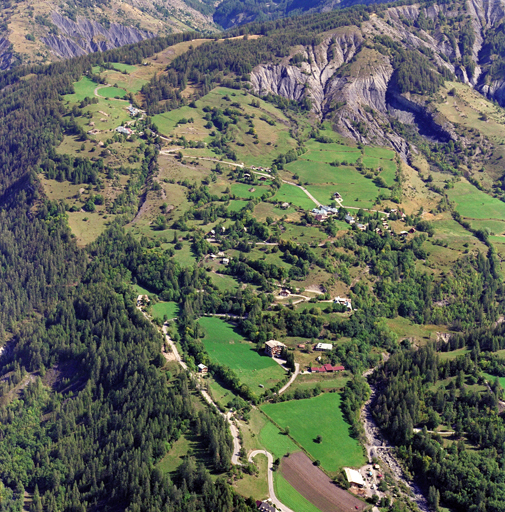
x=350, y=83
x=86, y=36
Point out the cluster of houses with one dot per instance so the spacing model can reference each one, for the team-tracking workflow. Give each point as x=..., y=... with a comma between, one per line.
x=124, y=130
x=323, y=211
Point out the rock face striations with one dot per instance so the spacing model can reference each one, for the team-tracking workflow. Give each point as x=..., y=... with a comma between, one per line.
x=86, y=36
x=351, y=83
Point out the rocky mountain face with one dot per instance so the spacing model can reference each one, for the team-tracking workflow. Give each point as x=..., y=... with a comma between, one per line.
x=350, y=78
x=46, y=31
x=86, y=36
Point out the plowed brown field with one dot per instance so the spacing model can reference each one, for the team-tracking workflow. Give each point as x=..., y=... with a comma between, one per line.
x=316, y=487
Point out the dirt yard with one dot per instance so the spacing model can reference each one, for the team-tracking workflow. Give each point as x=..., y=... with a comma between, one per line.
x=316, y=487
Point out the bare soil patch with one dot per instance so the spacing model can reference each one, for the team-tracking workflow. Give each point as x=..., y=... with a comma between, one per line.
x=316, y=487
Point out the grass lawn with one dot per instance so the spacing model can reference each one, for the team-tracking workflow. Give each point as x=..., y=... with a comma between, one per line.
x=374, y=152
x=350, y=156
x=170, y=309
x=255, y=485
x=319, y=416
x=294, y=195
x=290, y=496
x=227, y=346
x=139, y=290
x=173, y=459
x=185, y=256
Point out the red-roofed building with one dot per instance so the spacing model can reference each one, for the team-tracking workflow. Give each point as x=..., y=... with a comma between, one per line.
x=326, y=368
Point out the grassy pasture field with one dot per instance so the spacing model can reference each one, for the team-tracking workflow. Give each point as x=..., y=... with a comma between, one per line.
x=244, y=191
x=475, y=204
x=322, y=416
x=294, y=195
x=111, y=92
x=228, y=347
x=316, y=172
x=271, y=140
x=325, y=156
x=275, y=441
x=223, y=282
x=170, y=309
x=355, y=189
x=123, y=67
x=83, y=88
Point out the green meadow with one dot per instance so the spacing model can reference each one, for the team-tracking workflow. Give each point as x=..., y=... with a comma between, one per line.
x=226, y=346
x=319, y=416
x=294, y=195
x=475, y=204
x=168, y=309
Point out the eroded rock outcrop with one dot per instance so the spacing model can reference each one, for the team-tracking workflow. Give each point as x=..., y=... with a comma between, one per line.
x=5, y=54
x=86, y=36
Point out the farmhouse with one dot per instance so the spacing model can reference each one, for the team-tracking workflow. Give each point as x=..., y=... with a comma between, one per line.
x=273, y=348
x=327, y=368
x=361, y=227
x=323, y=346
x=202, y=369
x=124, y=130
x=264, y=506
x=284, y=293
x=354, y=477
x=225, y=261
x=349, y=219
